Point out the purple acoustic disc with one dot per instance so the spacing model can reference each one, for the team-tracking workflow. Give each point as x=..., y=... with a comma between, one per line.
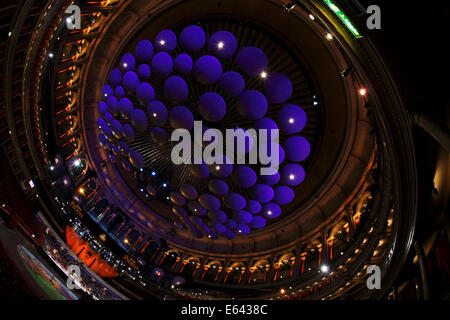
x=297, y=148
x=165, y=40
x=143, y=51
x=162, y=64
x=183, y=63
x=232, y=83
x=278, y=88
x=292, y=174
x=244, y=176
x=253, y=61
x=291, y=118
x=207, y=70
x=181, y=118
x=176, y=89
x=262, y=193
x=252, y=104
x=211, y=106
x=192, y=38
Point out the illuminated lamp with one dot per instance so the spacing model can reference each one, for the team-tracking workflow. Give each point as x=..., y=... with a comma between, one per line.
x=157, y=113
x=271, y=210
x=252, y=61
x=181, y=118
x=165, y=40
x=292, y=174
x=211, y=106
x=222, y=44
x=162, y=64
x=222, y=170
x=176, y=89
x=363, y=91
x=244, y=176
x=278, y=88
x=127, y=62
x=196, y=208
x=123, y=147
x=107, y=91
x=207, y=70
x=242, y=229
x=192, y=38
x=252, y=104
x=232, y=83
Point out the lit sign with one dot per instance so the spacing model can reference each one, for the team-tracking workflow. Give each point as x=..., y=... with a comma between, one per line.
x=344, y=18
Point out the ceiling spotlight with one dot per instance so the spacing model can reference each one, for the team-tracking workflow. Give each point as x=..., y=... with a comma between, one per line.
x=125, y=65
x=263, y=74
x=291, y=120
x=153, y=173
x=346, y=72
x=282, y=291
x=220, y=45
x=362, y=91
x=291, y=5
x=81, y=190
x=162, y=42
x=52, y=168
x=51, y=55
x=324, y=268
x=291, y=177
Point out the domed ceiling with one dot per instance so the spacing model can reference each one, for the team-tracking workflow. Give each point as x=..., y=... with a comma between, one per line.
x=105, y=101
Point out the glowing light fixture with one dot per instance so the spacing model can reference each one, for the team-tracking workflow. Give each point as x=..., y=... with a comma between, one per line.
x=263, y=74
x=324, y=268
x=362, y=91
x=343, y=18
x=329, y=36
x=220, y=45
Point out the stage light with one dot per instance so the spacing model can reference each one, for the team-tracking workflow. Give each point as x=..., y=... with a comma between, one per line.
x=324, y=268
x=291, y=5
x=346, y=72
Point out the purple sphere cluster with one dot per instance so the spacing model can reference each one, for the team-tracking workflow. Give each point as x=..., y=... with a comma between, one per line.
x=217, y=211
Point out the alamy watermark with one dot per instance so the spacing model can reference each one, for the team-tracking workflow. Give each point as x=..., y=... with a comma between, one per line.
x=247, y=146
